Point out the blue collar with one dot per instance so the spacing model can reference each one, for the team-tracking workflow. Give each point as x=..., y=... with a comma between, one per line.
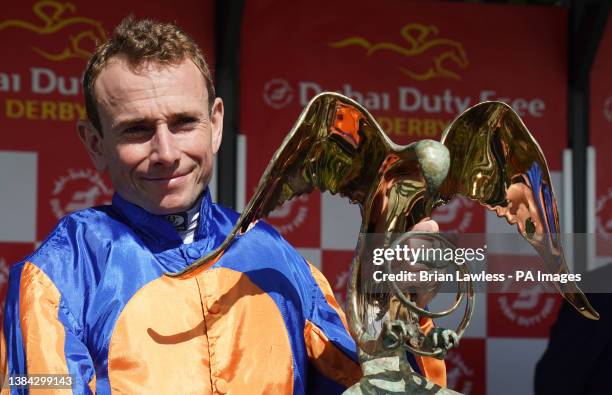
x=155, y=229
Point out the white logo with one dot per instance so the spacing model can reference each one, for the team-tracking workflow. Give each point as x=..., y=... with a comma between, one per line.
x=530, y=306
x=607, y=110
x=456, y=216
x=459, y=377
x=277, y=93
x=175, y=220
x=78, y=190
x=604, y=215
x=290, y=215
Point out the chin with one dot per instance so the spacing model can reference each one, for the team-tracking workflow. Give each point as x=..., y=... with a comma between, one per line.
x=174, y=205
x=164, y=209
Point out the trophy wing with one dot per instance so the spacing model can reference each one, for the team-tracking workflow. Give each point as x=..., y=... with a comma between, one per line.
x=496, y=161
x=326, y=149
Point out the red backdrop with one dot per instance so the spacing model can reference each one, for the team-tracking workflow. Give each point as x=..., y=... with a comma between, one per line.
x=415, y=65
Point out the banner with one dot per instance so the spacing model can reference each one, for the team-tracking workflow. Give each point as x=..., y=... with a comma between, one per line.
x=601, y=139
x=415, y=66
x=45, y=46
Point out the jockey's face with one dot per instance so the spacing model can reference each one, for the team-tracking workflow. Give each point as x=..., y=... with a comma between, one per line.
x=158, y=138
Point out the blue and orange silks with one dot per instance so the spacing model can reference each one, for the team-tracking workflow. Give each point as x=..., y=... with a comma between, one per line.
x=93, y=302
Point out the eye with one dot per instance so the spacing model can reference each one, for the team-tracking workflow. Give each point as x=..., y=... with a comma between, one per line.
x=137, y=131
x=185, y=123
x=134, y=129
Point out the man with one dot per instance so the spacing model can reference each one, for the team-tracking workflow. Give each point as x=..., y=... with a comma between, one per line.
x=93, y=300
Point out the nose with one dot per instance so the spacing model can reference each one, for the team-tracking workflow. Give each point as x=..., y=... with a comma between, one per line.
x=164, y=149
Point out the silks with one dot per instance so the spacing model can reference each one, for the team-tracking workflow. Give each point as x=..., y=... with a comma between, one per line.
x=93, y=302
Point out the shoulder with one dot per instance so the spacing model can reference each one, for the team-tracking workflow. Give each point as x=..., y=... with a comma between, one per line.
x=84, y=231
x=270, y=261
x=224, y=218
x=70, y=260
x=74, y=253
x=269, y=243
x=260, y=238
x=228, y=213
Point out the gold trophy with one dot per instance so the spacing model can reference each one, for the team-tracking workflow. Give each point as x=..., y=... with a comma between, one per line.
x=486, y=154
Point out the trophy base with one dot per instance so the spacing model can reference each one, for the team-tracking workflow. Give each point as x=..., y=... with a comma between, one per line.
x=392, y=374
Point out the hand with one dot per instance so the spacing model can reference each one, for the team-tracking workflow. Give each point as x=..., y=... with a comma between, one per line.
x=423, y=291
x=426, y=225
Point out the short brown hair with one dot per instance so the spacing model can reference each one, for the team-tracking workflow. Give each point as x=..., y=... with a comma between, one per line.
x=140, y=41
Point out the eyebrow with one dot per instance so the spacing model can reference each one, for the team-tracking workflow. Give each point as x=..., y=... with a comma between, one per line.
x=131, y=122
x=148, y=121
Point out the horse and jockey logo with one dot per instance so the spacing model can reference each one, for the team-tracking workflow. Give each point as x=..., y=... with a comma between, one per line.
x=422, y=53
x=54, y=18
x=77, y=190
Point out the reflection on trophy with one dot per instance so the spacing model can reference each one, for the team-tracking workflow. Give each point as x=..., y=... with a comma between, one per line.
x=486, y=154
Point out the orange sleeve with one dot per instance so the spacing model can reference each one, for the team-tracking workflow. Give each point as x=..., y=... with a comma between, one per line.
x=38, y=338
x=330, y=347
x=434, y=369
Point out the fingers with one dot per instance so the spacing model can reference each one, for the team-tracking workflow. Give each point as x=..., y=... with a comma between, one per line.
x=455, y=338
x=446, y=338
x=450, y=339
x=426, y=225
x=394, y=333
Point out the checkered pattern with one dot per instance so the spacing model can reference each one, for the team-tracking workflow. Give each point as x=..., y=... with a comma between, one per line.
x=508, y=332
x=497, y=328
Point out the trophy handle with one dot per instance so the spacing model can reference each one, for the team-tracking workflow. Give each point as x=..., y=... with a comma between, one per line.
x=463, y=289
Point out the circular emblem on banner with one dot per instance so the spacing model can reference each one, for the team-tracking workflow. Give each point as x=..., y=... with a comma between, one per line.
x=456, y=216
x=604, y=215
x=530, y=306
x=459, y=376
x=608, y=109
x=78, y=190
x=290, y=215
x=277, y=93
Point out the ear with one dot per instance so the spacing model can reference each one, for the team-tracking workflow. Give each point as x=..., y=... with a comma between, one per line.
x=92, y=140
x=216, y=123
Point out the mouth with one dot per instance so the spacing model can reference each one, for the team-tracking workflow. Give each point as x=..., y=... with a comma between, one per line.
x=167, y=180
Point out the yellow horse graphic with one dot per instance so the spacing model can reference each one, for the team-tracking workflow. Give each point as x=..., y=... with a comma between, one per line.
x=55, y=17
x=421, y=40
